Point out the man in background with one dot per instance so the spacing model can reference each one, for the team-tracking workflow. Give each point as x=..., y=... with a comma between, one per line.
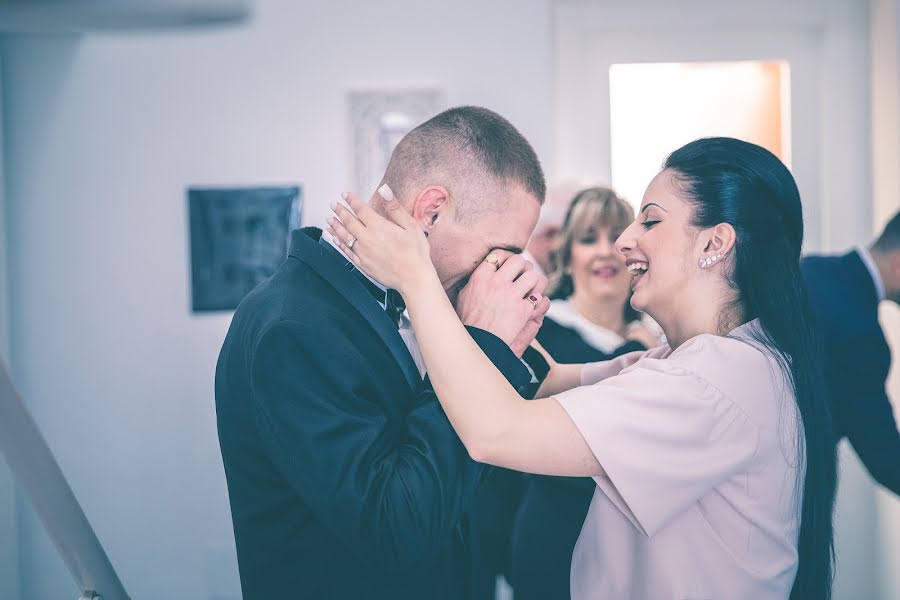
x=845, y=292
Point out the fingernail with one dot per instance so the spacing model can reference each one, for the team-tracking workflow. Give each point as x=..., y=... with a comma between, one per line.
x=386, y=192
x=344, y=195
x=333, y=206
x=330, y=220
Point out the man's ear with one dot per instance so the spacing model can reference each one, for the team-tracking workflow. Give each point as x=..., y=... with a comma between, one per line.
x=431, y=205
x=894, y=262
x=720, y=239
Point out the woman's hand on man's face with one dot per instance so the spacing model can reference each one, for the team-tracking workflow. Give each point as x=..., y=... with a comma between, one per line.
x=504, y=296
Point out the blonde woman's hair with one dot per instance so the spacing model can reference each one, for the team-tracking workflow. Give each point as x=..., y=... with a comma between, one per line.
x=591, y=209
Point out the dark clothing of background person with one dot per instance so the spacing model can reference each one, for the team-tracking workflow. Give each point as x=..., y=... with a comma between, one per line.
x=844, y=298
x=552, y=509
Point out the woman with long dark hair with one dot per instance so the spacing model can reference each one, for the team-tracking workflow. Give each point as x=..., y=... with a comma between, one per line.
x=713, y=455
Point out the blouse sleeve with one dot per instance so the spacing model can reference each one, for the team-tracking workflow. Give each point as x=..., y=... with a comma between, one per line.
x=664, y=436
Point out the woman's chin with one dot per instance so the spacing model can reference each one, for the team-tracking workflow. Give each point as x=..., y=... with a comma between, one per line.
x=638, y=301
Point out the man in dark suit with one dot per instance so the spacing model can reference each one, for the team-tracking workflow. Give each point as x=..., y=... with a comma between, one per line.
x=345, y=477
x=845, y=292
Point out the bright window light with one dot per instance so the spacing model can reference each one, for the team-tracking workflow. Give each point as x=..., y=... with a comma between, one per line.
x=656, y=108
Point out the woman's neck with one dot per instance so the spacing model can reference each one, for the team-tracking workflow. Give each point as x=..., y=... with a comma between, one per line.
x=608, y=313
x=696, y=319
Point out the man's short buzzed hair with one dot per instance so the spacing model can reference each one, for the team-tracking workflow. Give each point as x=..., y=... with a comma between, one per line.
x=889, y=240
x=473, y=152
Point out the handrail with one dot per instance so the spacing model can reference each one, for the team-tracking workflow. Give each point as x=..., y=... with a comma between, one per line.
x=36, y=470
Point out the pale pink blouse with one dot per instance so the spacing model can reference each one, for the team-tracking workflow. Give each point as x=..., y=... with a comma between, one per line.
x=700, y=498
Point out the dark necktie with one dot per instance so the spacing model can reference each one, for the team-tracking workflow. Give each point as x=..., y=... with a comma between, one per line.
x=391, y=299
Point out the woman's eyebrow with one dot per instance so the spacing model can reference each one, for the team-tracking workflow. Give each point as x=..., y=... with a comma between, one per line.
x=649, y=204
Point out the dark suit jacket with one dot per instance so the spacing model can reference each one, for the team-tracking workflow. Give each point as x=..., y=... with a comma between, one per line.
x=345, y=477
x=845, y=301
x=552, y=510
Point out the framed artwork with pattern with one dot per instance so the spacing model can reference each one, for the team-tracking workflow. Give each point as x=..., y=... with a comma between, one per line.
x=239, y=236
x=378, y=120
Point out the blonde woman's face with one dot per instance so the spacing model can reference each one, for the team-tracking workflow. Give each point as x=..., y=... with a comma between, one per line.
x=598, y=271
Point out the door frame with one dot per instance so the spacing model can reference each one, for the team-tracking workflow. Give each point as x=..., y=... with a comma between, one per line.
x=825, y=42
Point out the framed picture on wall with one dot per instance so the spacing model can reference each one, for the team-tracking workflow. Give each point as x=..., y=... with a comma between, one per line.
x=239, y=236
x=378, y=120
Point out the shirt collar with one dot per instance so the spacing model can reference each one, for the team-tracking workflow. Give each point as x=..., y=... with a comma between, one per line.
x=867, y=259
x=565, y=313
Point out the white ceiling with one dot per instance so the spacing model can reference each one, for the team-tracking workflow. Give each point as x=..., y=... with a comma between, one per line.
x=62, y=16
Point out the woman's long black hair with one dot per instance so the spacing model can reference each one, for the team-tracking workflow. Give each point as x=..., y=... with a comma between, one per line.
x=730, y=181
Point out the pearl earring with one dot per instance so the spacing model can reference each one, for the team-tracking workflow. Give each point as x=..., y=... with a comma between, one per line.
x=708, y=262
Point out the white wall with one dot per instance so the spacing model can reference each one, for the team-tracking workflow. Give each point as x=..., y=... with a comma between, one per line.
x=103, y=135
x=4, y=281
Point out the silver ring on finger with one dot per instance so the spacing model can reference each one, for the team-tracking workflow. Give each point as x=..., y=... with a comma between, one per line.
x=350, y=244
x=534, y=301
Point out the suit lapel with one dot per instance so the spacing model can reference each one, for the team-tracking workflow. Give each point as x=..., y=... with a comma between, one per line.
x=321, y=260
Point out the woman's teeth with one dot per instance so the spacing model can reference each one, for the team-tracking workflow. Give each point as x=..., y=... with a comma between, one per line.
x=637, y=268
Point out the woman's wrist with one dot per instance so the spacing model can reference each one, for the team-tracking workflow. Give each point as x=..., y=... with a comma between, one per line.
x=561, y=378
x=419, y=282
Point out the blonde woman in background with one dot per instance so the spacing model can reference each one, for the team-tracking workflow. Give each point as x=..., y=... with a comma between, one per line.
x=590, y=316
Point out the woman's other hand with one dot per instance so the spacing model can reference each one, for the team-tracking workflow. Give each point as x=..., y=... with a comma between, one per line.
x=504, y=295
x=392, y=251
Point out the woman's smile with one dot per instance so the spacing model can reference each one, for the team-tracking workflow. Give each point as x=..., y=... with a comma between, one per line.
x=637, y=268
